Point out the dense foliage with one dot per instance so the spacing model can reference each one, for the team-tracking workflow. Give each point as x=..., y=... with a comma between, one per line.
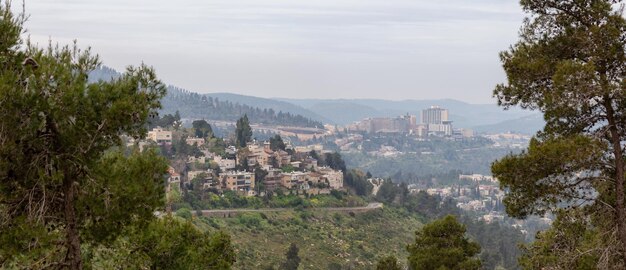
x=500, y=243
x=167, y=243
x=292, y=260
x=198, y=199
x=202, y=129
x=357, y=181
x=277, y=143
x=193, y=105
x=414, y=167
x=334, y=161
x=67, y=182
x=326, y=239
x=408, y=143
x=243, y=132
x=441, y=244
x=569, y=64
x=56, y=164
x=388, y=263
x=167, y=120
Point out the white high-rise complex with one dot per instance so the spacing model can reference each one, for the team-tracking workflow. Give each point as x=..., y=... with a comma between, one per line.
x=436, y=119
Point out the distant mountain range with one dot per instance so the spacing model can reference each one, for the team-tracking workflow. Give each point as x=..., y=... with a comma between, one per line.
x=463, y=114
x=526, y=125
x=274, y=104
x=480, y=117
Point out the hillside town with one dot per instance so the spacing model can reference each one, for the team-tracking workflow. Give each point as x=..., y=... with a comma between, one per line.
x=280, y=165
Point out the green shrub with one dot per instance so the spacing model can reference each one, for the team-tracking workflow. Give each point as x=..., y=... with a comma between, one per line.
x=250, y=220
x=184, y=213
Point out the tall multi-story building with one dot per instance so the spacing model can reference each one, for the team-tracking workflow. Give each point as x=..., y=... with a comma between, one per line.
x=434, y=115
x=436, y=119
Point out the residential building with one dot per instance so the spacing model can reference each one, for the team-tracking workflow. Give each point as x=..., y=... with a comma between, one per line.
x=334, y=178
x=293, y=179
x=225, y=164
x=310, y=163
x=193, y=174
x=259, y=154
x=477, y=177
x=196, y=141
x=309, y=148
x=174, y=177
x=192, y=159
x=237, y=181
x=282, y=158
x=160, y=135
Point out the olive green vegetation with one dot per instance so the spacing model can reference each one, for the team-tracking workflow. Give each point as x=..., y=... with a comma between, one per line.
x=68, y=187
x=243, y=131
x=414, y=167
x=166, y=243
x=499, y=242
x=388, y=263
x=202, y=129
x=292, y=259
x=326, y=240
x=442, y=244
x=200, y=199
x=569, y=64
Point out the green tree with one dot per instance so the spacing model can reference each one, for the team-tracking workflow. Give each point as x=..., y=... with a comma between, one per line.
x=63, y=183
x=569, y=64
x=276, y=143
x=292, y=258
x=167, y=243
x=357, y=181
x=202, y=129
x=335, y=161
x=388, y=263
x=243, y=131
x=388, y=192
x=442, y=244
x=259, y=177
x=167, y=120
x=554, y=247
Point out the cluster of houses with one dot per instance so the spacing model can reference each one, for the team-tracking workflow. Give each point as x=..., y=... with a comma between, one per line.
x=478, y=178
x=294, y=170
x=482, y=198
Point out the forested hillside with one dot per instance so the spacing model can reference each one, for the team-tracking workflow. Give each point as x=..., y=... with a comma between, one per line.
x=194, y=105
x=203, y=106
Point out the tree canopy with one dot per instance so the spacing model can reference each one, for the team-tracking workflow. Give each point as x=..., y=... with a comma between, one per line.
x=569, y=64
x=388, y=263
x=277, y=143
x=243, y=132
x=194, y=105
x=67, y=182
x=442, y=244
x=202, y=129
x=292, y=258
x=167, y=120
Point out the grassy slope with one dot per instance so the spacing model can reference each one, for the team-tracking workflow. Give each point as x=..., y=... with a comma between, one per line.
x=356, y=240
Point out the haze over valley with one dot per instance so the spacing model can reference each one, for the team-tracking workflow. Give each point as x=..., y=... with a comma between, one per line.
x=291, y=135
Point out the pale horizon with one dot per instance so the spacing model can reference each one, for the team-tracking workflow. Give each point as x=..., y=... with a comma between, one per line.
x=397, y=50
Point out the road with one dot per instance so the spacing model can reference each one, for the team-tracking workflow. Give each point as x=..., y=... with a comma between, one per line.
x=228, y=212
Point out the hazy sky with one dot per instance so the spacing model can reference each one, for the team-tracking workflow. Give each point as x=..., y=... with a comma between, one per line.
x=392, y=49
